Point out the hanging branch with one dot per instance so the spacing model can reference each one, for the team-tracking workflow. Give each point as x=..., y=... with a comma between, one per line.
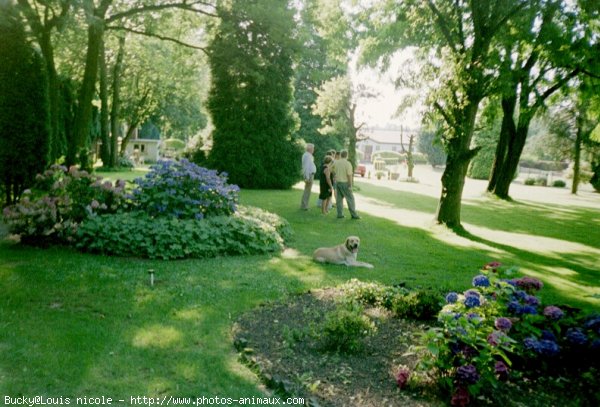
x=160, y=37
x=181, y=5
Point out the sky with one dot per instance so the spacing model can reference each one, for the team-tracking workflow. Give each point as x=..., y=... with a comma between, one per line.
x=381, y=111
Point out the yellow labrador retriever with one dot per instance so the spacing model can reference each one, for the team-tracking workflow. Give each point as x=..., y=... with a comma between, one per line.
x=344, y=253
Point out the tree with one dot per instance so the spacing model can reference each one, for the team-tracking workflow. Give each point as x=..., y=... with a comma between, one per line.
x=429, y=144
x=250, y=100
x=24, y=127
x=458, y=38
x=575, y=120
x=534, y=66
x=336, y=104
x=324, y=34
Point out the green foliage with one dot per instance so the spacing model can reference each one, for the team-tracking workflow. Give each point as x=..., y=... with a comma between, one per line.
x=543, y=165
x=419, y=304
x=529, y=181
x=559, y=183
x=137, y=234
x=486, y=139
x=344, y=329
x=24, y=126
x=250, y=99
x=595, y=180
x=59, y=202
x=429, y=144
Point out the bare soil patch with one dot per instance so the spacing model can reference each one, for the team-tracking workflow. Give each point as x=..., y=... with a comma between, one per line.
x=276, y=341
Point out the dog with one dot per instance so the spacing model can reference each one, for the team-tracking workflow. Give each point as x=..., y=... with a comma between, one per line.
x=344, y=253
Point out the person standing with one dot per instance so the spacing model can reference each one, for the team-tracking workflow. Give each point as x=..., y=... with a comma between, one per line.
x=308, y=172
x=325, y=185
x=343, y=185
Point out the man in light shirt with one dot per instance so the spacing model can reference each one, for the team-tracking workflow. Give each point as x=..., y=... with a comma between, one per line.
x=308, y=172
x=343, y=186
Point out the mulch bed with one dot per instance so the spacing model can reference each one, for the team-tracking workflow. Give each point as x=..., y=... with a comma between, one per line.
x=275, y=341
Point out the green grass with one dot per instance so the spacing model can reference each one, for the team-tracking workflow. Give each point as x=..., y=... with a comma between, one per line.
x=123, y=174
x=73, y=324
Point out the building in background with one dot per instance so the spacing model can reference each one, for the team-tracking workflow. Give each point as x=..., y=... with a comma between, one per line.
x=378, y=140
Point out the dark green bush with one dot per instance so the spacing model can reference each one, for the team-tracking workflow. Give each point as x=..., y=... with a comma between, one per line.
x=530, y=181
x=345, y=328
x=542, y=181
x=421, y=304
x=559, y=183
x=137, y=234
x=24, y=126
x=595, y=180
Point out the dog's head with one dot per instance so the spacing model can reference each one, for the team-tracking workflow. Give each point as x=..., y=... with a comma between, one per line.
x=352, y=243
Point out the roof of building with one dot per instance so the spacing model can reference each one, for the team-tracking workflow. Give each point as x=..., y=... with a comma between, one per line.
x=388, y=136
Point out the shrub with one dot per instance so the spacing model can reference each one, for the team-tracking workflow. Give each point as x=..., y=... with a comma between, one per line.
x=530, y=181
x=559, y=183
x=60, y=200
x=556, y=166
x=542, y=181
x=126, y=162
x=499, y=329
x=138, y=234
x=345, y=328
x=24, y=128
x=182, y=189
x=595, y=179
x=420, y=304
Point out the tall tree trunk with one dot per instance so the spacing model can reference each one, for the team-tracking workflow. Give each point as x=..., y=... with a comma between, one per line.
x=56, y=137
x=457, y=163
x=511, y=164
x=116, y=105
x=577, y=155
x=83, y=116
x=507, y=128
x=130, y=130
x=104, y=121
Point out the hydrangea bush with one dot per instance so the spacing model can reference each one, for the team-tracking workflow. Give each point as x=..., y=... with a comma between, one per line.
x=183, y=190
x=60, y=200
x=499, y=330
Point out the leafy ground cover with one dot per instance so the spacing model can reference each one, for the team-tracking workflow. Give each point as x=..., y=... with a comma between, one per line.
x=77, y=324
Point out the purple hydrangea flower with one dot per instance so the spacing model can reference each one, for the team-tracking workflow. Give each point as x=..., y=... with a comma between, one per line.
x=495, y=338
x=472, y=301
x=530, y=343
x=503, y=324
x=501, y=370
x=529, y=284
x=451, y=297
x=576, y=336
x=532, y=300
x=467, y=374
x=553, y=312
x=481, y=281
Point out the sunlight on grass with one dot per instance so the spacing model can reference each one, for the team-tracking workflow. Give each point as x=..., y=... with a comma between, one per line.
x=566, y=287
x=301, y=267
x=187, y=371
x=159, y=385
x=157, y=336
x=189, y=314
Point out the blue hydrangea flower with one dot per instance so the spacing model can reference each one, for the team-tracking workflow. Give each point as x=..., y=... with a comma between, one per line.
x=548, y=348
x=472, y=293
x=503, y=324
x=451, y=297
x=514, y=307
x=528, y=309
x=548, y=335
x=472, y=301
x=532, y=300
x=576, y=336
x=481, y=281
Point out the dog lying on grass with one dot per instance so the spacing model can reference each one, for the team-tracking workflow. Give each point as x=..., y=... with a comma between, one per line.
x=344, y=253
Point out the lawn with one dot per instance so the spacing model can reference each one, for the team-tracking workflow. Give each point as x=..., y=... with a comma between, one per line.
x=75, y=324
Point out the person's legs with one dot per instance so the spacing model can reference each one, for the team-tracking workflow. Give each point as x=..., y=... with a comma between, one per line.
x=306, y=194
x=351, y=204
x=339, y=203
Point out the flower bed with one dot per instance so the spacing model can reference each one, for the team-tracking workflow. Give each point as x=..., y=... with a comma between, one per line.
x=499, y=331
